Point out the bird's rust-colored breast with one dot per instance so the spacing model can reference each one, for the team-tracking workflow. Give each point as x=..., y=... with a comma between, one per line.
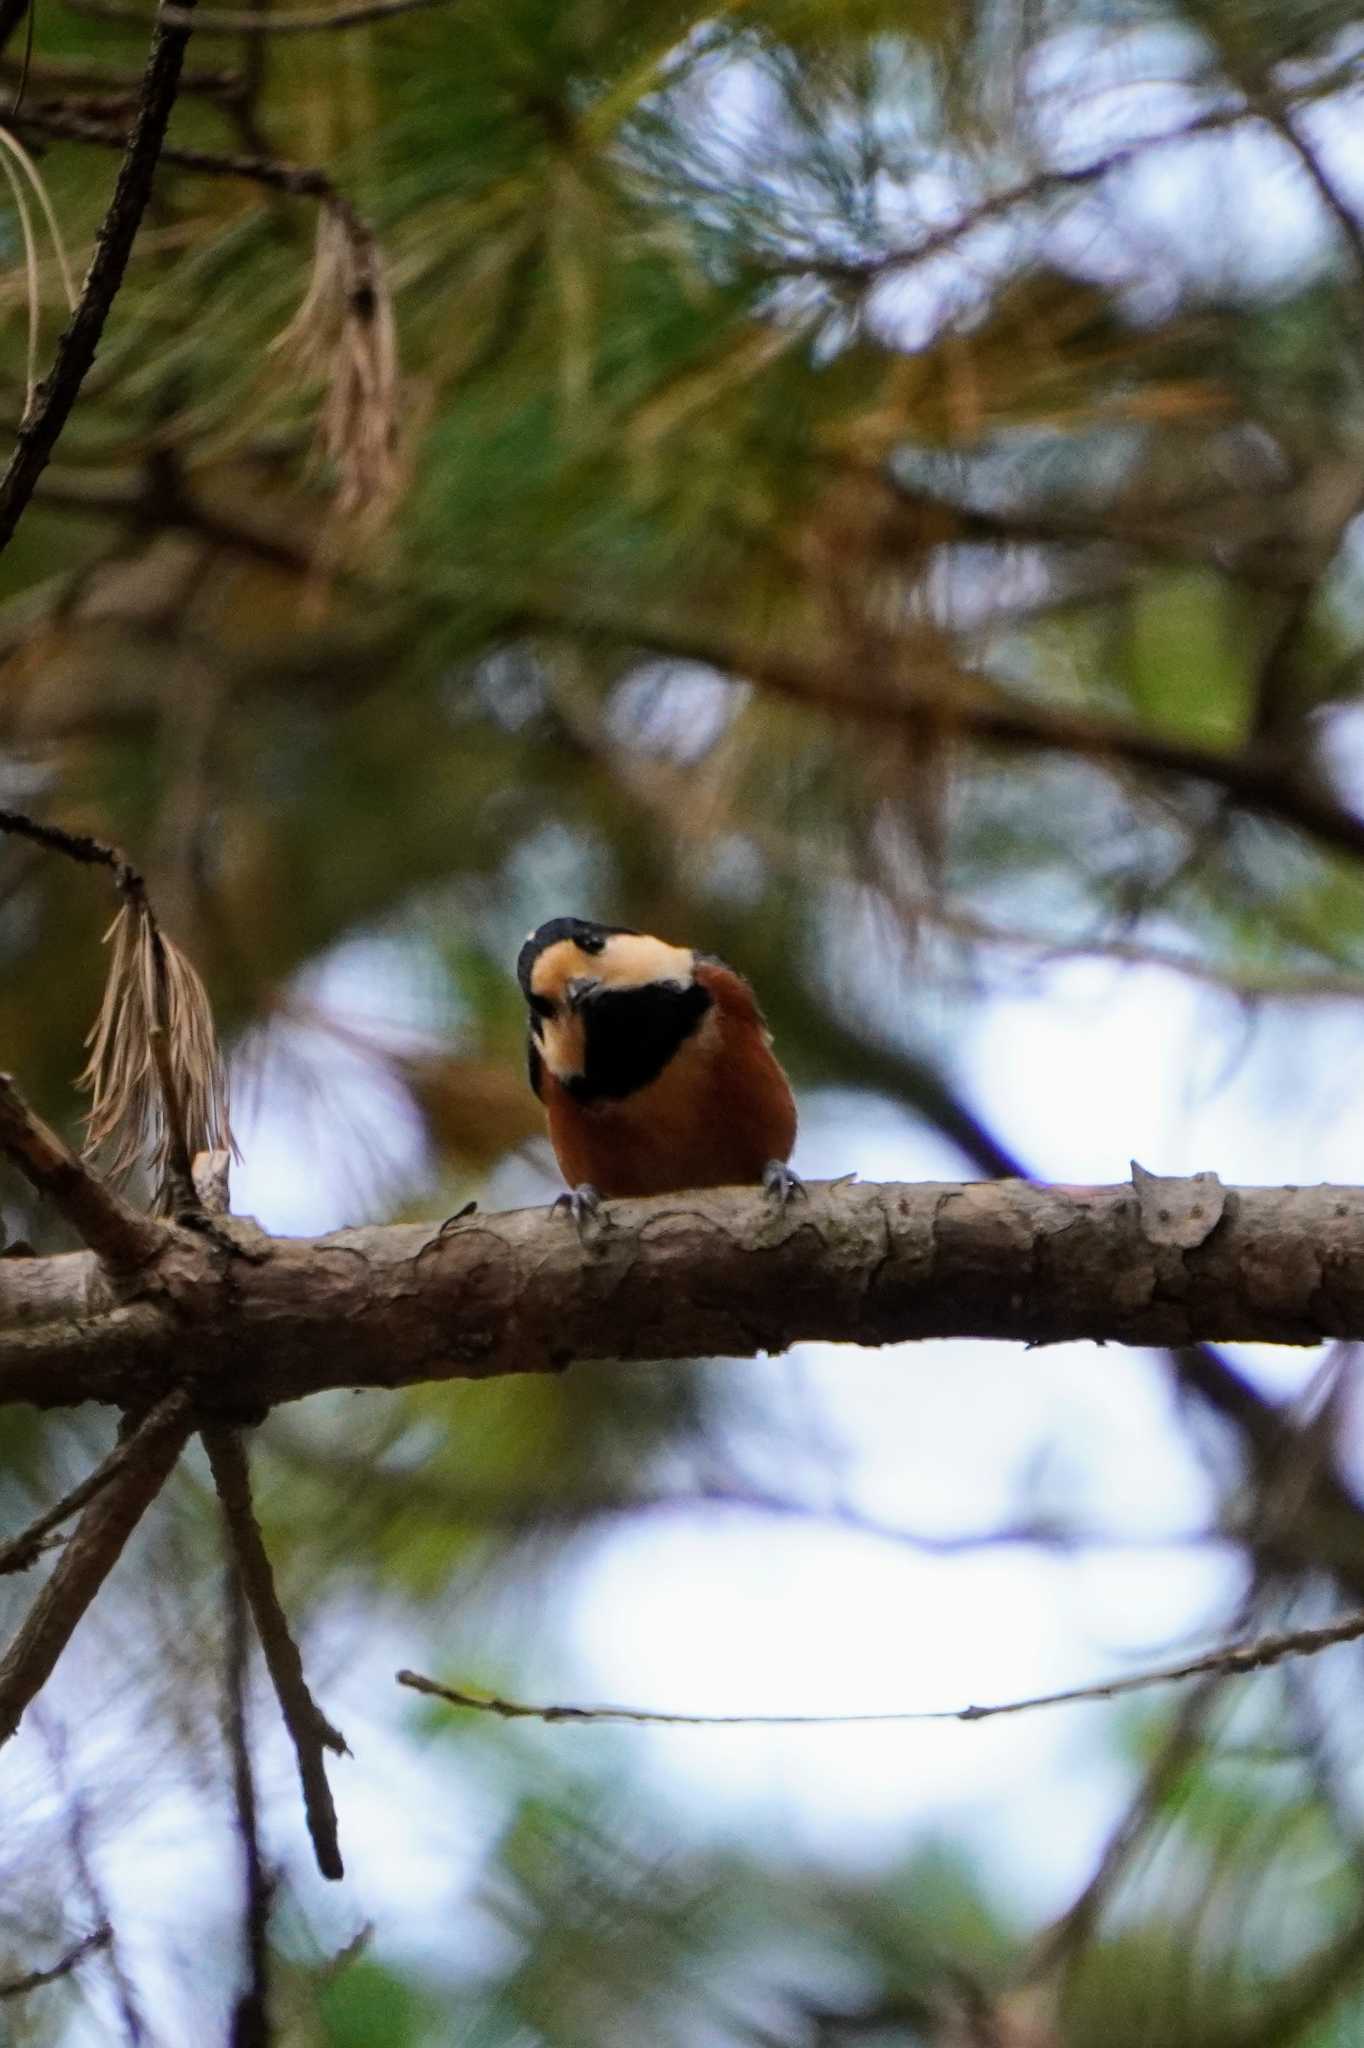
x=719, y=1111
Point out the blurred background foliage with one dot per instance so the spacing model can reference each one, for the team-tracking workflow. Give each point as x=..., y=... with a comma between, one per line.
x=872, y=487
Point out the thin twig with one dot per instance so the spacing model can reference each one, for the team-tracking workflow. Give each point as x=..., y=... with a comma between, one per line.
x=88, y=1945
x=309, y=1728
x=78, y=846
x=1234, y=1660
x=251, y=2014
x=1275, y=108
x=87, y=1881
x=43, y=421
x=94, y=1549
x=119, y=1235
x=300, y=181
x=24, y=1550
x=234, y=22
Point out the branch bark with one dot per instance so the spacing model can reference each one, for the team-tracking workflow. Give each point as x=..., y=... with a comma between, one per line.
x=246, y=1322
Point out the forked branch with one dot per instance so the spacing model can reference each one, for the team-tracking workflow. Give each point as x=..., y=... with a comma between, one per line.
x=309, y=1729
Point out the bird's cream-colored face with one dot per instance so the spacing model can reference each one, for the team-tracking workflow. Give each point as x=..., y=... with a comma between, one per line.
x=565, y=970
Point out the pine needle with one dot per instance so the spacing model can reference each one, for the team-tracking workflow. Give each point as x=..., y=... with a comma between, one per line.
x=31, y=268
x=153, y=994
x=44, y=198
x=345, y=334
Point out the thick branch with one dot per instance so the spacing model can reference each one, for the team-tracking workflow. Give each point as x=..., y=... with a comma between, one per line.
x=41, y=426
x=706, y=1274
x=85, y=1564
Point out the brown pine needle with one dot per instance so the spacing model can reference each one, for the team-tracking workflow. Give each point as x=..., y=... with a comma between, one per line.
x=155, y=1074
x=345, y=335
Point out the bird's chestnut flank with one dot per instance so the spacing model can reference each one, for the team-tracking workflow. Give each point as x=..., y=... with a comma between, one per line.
x=654, y=1065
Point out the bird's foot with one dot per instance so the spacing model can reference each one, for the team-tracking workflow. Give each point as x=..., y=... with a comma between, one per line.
x=583, y=1205
x=781, y=1184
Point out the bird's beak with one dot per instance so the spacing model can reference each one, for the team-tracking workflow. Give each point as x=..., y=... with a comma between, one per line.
x=581, y=991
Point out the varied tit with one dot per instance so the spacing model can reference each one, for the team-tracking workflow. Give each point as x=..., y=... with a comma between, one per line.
x=654, y=1066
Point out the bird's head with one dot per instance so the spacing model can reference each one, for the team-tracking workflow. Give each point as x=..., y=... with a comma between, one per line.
x=609, y=1006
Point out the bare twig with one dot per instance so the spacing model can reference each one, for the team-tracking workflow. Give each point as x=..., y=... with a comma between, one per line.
x=238, y=22
x=118, y=1234
x=88, y=1945
x=299, y=181
x=87, y=1878
x=77, y=846
x=1052, y=180
x=94, y=1549
x=44, y=420
x=23, y=1551
x=309, y=1728
x=251, y=2014
x=1275, y=108
x=1233, y=1660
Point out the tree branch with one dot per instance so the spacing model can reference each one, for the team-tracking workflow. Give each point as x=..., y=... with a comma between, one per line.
x=1234, y=1660
x=121, y=1236
x=85, y=1564
x=238, y=22
x=299, y=181
x=248, y=1322
x=1259, y=780
x=251, y=2013
x=44, y=421
x=309, y=1729
x=88, y=1945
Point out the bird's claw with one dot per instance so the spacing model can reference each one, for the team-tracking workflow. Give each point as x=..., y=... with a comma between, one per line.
x=583, y=1205
x=781, y=1185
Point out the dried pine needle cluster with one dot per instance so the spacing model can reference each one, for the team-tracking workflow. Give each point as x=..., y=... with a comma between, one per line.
x=344, y=333
x=152, y=990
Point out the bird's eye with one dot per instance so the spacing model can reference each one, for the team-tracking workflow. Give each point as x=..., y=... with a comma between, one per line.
x=541, y=1005
x=591, y=942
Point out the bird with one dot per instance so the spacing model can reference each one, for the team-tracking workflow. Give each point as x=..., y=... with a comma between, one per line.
x=654, y=1065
